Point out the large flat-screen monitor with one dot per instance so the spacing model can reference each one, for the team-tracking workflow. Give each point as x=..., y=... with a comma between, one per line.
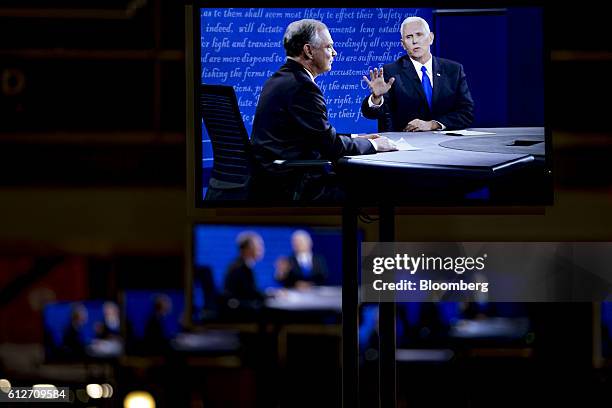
x=261, y=133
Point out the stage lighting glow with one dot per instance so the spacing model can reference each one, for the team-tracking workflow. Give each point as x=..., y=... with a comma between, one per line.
x=107, y=391
x=45, y=387
x=5, y=385
x=94, y=390
x=139, y=399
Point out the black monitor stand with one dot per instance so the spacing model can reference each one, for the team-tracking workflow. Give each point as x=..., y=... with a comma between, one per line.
x=350, y=313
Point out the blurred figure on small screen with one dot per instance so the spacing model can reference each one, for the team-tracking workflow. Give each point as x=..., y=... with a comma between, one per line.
x=107, y=341
x=110, y=325
x=418, y=92
x=240, y=287
x=74, y=340
x=303, y=268
x=156, y=337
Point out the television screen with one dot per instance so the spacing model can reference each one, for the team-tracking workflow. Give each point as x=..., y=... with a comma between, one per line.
x=74, y=330
x=475, y=134
x=445, y=324
x=606, y=330
x=219, y=252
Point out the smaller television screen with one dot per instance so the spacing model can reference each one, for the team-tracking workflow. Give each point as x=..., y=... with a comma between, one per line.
x=247, y=262
x=450, y=324
x=606, y=330
x=77, y=330
x=152, y=319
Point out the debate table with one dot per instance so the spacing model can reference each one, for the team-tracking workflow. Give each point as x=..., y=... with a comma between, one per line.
x=509, y=164
x=305, y=314
x=317, y=298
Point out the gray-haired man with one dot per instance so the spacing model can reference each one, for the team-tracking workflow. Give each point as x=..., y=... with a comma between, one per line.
x=291, y=121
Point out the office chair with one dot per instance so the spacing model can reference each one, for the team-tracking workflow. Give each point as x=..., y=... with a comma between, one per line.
x=211, y=297
x=234, y=167
x=231, y=173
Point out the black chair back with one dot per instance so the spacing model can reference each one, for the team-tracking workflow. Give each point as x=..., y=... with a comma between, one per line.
x=230, y=143
x=212, y=297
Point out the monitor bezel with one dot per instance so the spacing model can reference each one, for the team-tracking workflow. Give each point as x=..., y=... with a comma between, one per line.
x=190, y=251
x=198, y=206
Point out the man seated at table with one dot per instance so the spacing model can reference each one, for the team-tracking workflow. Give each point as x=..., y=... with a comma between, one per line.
x=156, y=336
x=291, y=122
x=303, y=268
x=418, y=92
x=75, y=340
x=240, y=288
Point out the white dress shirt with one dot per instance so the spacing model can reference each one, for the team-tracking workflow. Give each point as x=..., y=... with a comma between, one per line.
x=304, y=259
x=428, y=66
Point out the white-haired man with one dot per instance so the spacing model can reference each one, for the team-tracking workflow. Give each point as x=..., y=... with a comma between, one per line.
x=418, y=92
x=303, y=268
x=291, y=121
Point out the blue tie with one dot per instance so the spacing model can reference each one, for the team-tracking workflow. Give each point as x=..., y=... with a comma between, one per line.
x=306, y=269
x=426, y=85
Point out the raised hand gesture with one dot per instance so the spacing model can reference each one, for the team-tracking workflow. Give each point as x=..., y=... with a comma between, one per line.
x=377, y=84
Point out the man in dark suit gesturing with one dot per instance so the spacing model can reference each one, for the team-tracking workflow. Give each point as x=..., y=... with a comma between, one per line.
x=291, y=120
x=303, y=268
x=418, y=92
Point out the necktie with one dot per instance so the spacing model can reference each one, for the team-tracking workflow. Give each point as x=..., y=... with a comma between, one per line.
x=426, y=85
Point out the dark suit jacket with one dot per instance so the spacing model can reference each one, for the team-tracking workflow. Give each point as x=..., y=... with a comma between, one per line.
x=74, y=341
x=291, y=124
x=452, y=104
x=155, y=337
x=317, y=275
x=240, y=283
